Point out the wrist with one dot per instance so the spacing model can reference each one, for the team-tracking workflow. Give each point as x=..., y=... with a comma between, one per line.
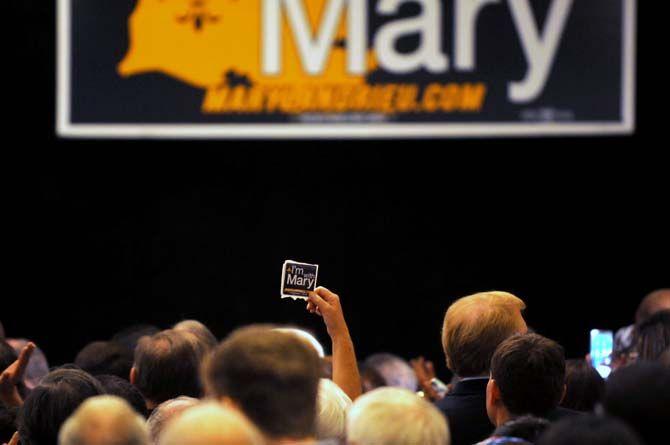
x=340, y=335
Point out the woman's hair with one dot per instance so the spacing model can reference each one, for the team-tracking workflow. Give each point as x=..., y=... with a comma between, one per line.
x=584, y=386
x=52, y=402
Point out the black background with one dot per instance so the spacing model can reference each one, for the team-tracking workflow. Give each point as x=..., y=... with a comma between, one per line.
x=102, y=234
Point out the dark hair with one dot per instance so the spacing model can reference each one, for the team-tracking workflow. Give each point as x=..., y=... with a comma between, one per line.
x=130, y=336
x=528, y=428
x=52, y=402
x=272, y=375
x=119, y=387
x=167, y=366
x=529, y=370
x=589, y=429
x=584, y=386
x=7, y=357
x=639, y=394
x=653, y=336
x=7, y=423
x=2, y=331
x=105, y=357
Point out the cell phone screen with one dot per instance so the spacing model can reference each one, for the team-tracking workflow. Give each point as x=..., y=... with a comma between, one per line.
x=602, y=343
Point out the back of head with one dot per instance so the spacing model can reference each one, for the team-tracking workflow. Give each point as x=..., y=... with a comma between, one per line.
x=272, y=376
x=395, y=416
x=104, y=420
x=307, y=337
x=165, y=412
x=2, y=331
x=206, y=341
x=333, y=404
x=529, y=371
x=591, y=430
x=52, y=402
x=639, y=395
x=658, y=300
x=475, y=325
x=653, y=336
x=166, y=366
x=116, y=386
x=105, y=358
x=584, y=386
x=38, y=366
x=211, y=424
x=392, y=369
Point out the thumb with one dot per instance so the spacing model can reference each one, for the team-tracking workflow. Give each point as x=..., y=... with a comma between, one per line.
x=14, y=440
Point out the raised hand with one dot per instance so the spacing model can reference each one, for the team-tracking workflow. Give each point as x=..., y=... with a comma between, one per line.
x=345, y=367
x=13, y=375
x=425, y=372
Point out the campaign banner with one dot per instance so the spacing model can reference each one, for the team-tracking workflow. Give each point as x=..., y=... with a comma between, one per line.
x=345, y=68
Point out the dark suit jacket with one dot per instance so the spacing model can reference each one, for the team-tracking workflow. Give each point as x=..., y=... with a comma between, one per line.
x=465, y=408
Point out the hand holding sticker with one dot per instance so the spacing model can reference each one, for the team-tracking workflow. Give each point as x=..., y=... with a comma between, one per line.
x=327, y=304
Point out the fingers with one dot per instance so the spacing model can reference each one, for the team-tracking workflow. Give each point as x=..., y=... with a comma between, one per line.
x=22, y=362
x=14, y=440
x=312, y=307
x=315, y=299
x=326, y=294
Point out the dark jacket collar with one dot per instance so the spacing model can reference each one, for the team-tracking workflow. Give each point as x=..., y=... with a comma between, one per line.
x=470, y=387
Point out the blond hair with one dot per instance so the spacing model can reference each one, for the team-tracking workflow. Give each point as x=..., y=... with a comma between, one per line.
x=395, y=416
x=104, y=420
x=474, y=326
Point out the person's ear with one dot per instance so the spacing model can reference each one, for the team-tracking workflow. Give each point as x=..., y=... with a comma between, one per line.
x=565, y=390
x=133, y=375
x=492, y=397
x=492, y=393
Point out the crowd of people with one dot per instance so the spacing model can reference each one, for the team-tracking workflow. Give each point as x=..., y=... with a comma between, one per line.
x=275, y=385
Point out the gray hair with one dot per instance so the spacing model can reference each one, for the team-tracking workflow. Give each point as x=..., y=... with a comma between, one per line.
x=104, y=420
x=395, y=416
x=167, y=411
x=393, y=370
x=332, y=406
x=206, y=340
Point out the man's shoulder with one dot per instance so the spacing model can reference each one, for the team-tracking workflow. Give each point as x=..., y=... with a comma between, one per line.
x=465, y=394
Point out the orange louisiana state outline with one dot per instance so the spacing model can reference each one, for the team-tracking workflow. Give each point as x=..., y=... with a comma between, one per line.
x=206, y=43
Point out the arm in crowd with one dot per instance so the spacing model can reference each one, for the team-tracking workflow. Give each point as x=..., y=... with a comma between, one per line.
x=345, y=367
x=12, y=376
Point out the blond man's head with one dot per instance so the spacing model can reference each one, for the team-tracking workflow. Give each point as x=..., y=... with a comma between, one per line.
x=475, y=325
x=104, y=420
x=211, y=424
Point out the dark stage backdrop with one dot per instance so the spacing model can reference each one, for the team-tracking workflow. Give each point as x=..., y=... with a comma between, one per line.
x=103, y=234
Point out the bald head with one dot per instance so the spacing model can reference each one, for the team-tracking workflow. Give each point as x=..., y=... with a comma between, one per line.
x=104, y=420
x=656, y=301
x=211, y=424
